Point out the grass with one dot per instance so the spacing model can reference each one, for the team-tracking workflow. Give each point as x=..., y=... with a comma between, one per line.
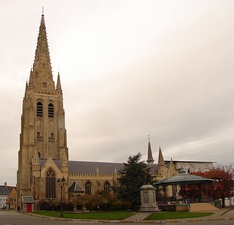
x=117, y=215
x=176, y=215
x=120, y=215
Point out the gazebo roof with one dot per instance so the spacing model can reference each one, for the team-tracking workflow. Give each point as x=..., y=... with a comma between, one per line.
x=184, y=178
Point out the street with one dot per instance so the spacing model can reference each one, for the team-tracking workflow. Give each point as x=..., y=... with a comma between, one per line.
x=16, y=218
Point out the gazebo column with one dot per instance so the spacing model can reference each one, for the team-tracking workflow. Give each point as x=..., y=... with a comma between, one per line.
x=200, y=190
x=207, y=196
x=165, y=194
x=186, y=189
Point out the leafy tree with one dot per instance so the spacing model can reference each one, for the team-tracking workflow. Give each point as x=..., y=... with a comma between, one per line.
x=134, y=174
x=220, y=189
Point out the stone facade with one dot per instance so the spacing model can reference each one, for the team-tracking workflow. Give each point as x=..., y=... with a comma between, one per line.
x=43, y=153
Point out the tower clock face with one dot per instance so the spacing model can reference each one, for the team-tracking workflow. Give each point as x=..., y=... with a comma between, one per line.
x=44, y=83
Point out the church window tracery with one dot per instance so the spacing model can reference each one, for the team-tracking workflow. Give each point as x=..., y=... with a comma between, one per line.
x=50, y=184
x=88, y=187
x=107, y=187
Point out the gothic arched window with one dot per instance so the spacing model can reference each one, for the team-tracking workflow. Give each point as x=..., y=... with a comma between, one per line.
x=88, y=187
x=107, y=187
x=50, y=110
x=50, y=184
x=39, y=109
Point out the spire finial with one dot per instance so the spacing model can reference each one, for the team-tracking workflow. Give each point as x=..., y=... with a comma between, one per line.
x=148, y=137
x=42, y=10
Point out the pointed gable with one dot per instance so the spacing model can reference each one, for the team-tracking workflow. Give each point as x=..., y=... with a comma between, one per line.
x=55, y=165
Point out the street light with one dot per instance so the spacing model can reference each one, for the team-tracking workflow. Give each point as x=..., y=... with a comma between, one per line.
x=61, y=183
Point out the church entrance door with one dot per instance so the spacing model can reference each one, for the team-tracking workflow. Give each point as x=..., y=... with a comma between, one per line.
x=29, y=208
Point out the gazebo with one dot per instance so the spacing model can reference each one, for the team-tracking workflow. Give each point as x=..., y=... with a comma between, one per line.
x=182, y=178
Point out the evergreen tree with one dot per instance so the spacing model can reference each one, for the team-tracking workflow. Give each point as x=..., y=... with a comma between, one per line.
x=134, y=174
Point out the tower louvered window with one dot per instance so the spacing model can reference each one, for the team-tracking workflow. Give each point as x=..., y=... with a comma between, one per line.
x=50, y=110
x=39, y=109
x=50, y=185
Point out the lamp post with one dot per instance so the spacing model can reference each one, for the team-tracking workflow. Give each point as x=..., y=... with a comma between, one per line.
x=61, y=183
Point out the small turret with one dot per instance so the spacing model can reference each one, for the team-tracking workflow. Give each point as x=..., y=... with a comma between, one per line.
x=97, y=173
x=172, y=169
x=64, y=162
x=58, y=85
x=31, y=79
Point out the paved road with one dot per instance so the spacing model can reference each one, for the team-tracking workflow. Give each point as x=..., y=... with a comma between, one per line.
x=16, y=218
x=221, y=222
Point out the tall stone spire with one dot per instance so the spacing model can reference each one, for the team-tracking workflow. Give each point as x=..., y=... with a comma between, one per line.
x=41, y=77
x=150, y=159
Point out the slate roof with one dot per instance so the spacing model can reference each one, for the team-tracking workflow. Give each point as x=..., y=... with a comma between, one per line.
x=4, y=190
x=186, y=161
x=10, y=188
x=75, y=187
x=57, y=162
x=27, y=199
x=89, y=167
x=86, y=167
x=154, y=168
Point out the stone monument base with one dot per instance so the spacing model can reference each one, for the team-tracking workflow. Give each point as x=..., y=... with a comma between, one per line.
x=149, y=209
x=148, y=199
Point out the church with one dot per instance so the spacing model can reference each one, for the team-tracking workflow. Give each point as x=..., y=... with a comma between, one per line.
x=43, y=156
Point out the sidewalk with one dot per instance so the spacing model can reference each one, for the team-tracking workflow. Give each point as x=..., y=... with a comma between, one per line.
x=138, y=217
x=222, y=214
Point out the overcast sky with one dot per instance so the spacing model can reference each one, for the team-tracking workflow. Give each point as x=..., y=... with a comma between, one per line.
x=128, y=69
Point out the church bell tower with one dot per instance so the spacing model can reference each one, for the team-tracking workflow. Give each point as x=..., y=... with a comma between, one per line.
x=43, y=133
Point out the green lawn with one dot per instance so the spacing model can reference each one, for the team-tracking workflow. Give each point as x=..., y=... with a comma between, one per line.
x=120, y=215
x=117, y=215
x=176, y=215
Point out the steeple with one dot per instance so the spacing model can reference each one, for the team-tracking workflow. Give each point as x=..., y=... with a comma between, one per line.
x=43, y=133
x=41, y=75
x=150, y=159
